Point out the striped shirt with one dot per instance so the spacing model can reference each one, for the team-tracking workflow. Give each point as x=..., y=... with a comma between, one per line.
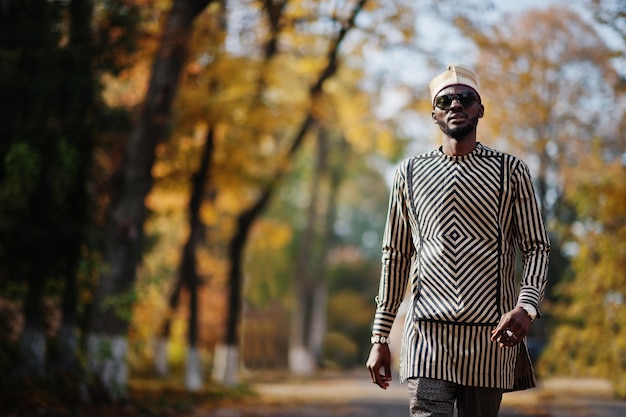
x=453, y=227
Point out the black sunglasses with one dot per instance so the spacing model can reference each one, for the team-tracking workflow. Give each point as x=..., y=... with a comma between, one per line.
x=466, y=98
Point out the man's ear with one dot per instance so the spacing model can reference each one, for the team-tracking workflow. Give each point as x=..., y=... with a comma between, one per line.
x=481, y=113
x=432, y=115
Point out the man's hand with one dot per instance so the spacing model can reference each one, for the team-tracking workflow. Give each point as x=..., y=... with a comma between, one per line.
x=380, y=359
x=512, y=328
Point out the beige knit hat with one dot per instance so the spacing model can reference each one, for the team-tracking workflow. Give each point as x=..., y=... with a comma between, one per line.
x=455, y=74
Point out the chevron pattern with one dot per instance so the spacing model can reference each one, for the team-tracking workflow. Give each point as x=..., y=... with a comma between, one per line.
x=457, y=206
x=453, y=227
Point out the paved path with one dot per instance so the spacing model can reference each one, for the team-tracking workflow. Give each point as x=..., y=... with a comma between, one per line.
x=355, y=396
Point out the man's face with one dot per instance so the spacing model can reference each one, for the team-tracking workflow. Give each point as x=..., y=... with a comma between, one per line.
x=457, y=111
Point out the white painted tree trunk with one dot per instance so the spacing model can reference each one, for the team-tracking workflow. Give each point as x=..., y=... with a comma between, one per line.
x=317, y=332
x=106, y=360
x=33, y=347
x=226, y=365
x=301, y=361
x=161, y=363
x=193, y=371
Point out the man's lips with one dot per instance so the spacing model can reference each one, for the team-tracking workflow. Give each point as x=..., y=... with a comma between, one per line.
x=457, y=116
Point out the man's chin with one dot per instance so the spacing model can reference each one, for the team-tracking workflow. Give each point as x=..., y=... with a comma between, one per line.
x=460, y=132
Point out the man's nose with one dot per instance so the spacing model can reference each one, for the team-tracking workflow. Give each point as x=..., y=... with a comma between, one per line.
x=456, y=102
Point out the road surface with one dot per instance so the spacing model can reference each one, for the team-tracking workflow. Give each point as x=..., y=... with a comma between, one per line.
x=353, y=395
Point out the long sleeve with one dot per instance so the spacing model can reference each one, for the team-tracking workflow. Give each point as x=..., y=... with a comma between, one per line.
x=454, y=227
x=532, y=240
x=398, y=250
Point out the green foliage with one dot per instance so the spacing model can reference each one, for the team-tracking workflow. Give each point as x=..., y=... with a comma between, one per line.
x=340, y=350
x=66, y=170
x=22, y=167
x=50, y=106
x=350, y=313
x=28, y=175
x=121, y=304
x=268, y=263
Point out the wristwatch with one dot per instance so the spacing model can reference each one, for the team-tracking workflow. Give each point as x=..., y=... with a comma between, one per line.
x=380, y=339
x=529, y=309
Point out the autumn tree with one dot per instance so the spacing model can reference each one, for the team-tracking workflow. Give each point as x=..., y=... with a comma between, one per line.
x=260, y=103
x=589, y=340
x=611, y=14
x=126, y=213
x=589, y=303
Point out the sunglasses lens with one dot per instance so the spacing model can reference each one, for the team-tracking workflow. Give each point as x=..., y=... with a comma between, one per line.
x=466, y=98
x=444, y=102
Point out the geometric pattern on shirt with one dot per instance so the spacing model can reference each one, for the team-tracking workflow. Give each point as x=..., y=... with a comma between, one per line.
x=458, y=214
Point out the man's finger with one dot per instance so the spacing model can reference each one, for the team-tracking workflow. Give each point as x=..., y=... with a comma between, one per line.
x=382, y=381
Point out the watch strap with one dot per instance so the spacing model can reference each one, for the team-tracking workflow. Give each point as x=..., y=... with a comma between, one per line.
x=380, y=339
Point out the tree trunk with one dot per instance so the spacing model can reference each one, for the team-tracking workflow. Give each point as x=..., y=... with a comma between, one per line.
x=161, y=347
x=33, y=339
x=81, y=89
x=309, y=326
x=189, y=269
x=302, y=360
x=161, y=357
x=106, y=360
x=326, y=242
x=226, y=364
x=248, y=217
x=65, y=358
x=236, y=249
x=188, y=274
x=126, y=212
x=193, y=370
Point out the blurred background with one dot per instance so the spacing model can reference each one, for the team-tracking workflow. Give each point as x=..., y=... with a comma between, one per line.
x=196, y=190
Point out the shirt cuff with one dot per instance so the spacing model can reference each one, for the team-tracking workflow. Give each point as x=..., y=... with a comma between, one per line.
x=383, y=320
x=529, y=295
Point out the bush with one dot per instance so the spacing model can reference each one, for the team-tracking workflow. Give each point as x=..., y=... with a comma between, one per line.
x=340, y=350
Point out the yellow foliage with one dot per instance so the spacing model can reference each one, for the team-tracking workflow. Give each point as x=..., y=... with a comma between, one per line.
x=267, y=261
x=256, y=106
x=349, y=308
x=270, y=235
x=591, y=339
x=167, y=200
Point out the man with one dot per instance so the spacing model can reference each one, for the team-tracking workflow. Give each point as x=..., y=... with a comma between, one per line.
x=456, y=217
